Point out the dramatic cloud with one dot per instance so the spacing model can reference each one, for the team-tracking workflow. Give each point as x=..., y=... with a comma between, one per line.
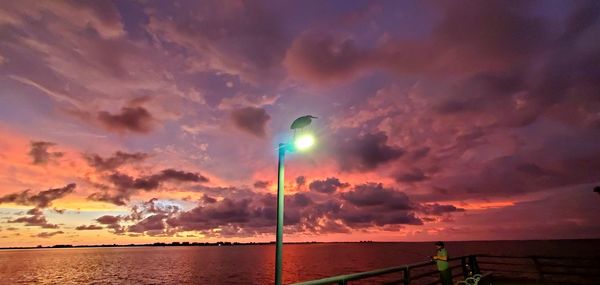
x=251, y=120
x=376, y=195
x=153, y=181
x=127, y=185
x=474, y=37
x=112, y=222
x=108, y=219
x=115, y=161
x=438, y=210
x=48, y=234
x=366, y=152
x=130, y=119
x=207, y=199
x=328, y=185
x=43, y=199
x=416, y=175
x=36, y=219
x=152, y=225
x=365, y=206
x=40, y=152
x=261, y=184
x=88, y=228
x=300, y=180
x=492, y=105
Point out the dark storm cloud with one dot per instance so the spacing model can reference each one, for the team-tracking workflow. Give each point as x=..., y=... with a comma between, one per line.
x=371, y=204
x=300, y=180
x=40, y=153
x=223, y=212
x=43, y=199
x=251, y=120
x=364, y=206
x=154, y=223
x=108, y=219
x=126, y=186
x=112, y=222
x=207, y=199
x=439, y=209
x=415, y=175
x=88, y=228
x=328, y=185
x=148, y=217
x=131, y=119
x=152, y=182
x=471, y=36
x=119, y=198
x=36, y=219
x=360, y=219
x=518, y=174
x=419, y=153
x=483, y=90
x=261, y=184
x=178, y=175
x=47, y=234
x=491, y=31
x=521, y=97
x=118, y=159
x=584, y=15
x=374, y=194
x=365, y=152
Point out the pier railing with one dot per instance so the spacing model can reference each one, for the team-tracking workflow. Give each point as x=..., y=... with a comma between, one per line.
x=541, y=269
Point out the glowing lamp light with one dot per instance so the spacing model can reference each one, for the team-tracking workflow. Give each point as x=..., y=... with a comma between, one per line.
x=304, y=142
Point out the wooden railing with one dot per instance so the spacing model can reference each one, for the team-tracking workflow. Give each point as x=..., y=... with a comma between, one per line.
x=565, y=270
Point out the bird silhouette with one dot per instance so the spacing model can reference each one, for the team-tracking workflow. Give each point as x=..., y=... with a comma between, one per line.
x=302, y=122
x=597, y=189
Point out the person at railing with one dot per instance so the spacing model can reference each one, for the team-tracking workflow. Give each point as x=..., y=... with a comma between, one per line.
x=441, y=260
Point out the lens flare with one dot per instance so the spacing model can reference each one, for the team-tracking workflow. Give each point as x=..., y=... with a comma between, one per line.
x=304, y=142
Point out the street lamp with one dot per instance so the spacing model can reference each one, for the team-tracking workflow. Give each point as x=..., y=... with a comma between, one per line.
x=302, y=142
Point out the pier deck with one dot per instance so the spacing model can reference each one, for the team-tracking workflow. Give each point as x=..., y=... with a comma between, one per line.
x=505, y=270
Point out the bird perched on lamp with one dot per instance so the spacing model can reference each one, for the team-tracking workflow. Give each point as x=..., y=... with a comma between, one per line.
x=302, y=122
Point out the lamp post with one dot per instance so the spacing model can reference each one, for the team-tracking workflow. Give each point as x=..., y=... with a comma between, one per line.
x=302, y=142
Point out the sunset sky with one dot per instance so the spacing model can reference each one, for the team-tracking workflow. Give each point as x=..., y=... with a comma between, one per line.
x=158, y=121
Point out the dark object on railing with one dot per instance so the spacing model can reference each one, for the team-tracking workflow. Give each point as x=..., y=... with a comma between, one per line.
x=566, y=270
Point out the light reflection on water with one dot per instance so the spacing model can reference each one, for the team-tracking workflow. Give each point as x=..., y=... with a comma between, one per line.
x=240, y=264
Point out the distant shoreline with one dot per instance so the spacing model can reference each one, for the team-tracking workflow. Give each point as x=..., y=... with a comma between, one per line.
x=220, y=243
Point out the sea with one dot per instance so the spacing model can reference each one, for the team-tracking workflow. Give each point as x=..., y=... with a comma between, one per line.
x=245, y=264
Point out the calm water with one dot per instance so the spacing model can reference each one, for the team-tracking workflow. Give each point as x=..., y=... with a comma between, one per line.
x=241, y=264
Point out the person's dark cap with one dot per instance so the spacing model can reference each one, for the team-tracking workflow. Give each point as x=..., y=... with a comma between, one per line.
x=440, y=243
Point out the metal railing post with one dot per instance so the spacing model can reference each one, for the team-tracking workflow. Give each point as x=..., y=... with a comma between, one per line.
x=465, y=267
x=473, y=264
x=538, y=268
x=406, y=276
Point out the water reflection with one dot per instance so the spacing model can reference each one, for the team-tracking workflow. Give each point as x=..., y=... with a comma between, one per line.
x=241, y=264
